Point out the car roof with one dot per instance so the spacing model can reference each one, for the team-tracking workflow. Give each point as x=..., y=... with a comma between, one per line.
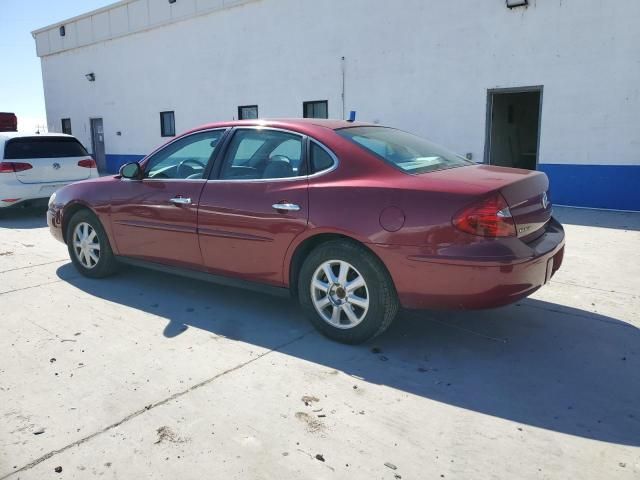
x=8, y=135
x=296, y=124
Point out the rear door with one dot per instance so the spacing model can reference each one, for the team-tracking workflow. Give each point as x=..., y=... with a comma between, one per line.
x=155, y=219
x=53, y=159
x=256, y=205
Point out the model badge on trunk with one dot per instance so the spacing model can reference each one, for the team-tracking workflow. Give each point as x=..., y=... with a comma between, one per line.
x=56, y=166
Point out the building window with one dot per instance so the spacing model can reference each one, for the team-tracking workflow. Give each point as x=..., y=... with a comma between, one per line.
x=66, y=126
x=318, y=109
x=167, y=124
x=248, y=112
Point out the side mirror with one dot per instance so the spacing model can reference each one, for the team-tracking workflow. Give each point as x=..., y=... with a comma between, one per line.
x=131, y=171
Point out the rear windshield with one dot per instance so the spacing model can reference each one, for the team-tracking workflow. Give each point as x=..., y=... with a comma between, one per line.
x=403, y=150
x=43, y=147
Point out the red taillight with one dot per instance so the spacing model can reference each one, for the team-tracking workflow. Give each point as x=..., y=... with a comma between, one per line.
x=488, y=218
x=12, y=167
x=87, y=163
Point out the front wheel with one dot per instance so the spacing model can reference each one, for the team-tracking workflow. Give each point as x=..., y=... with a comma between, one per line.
x=89, y=246
x=347, y=292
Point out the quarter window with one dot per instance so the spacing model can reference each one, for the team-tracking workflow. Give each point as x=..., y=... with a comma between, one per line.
x=186, y=158
x=167, y=124
x=320, y=158
x=263, y=154
x=248, y=112
x=317, y=109
x=66, y=126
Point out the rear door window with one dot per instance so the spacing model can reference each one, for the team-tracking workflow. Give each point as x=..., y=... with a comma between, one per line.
x=43, y=147
x=263, y=154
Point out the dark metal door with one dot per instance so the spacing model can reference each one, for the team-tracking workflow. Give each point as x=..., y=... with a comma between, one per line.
x=97, y=144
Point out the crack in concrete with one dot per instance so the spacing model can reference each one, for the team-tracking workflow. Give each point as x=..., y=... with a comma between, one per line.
x=587, y=315
x=32, y=286
x=32, y=266
x=147, y=408
x=593, y=288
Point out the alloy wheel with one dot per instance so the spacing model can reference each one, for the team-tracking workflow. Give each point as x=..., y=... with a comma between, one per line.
x=86, y=245
x=339, y=294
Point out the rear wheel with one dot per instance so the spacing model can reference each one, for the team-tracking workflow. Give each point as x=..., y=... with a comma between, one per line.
x=89, y=246
x=347, y=292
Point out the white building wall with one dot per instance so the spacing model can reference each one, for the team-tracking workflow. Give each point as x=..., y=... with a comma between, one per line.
x=421, y=65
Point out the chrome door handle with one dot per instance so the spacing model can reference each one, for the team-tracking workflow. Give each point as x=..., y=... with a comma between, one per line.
x=287, y=207
x=181, y=201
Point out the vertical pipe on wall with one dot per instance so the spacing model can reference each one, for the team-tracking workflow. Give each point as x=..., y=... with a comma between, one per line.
x=343, y=88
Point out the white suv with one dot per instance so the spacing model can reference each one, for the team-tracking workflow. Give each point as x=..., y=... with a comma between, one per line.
x=32, y=167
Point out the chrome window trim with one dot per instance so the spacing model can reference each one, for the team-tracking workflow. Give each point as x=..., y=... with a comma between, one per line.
x=287, y=179
x=167, y=145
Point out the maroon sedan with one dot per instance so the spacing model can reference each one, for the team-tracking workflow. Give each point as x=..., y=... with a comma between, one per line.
x=356, y=220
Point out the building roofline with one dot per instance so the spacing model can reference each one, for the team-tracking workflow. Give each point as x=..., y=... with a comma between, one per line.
x=106, y=8
x=45, y=46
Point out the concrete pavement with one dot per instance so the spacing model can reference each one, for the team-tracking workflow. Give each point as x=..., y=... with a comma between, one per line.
x=145, y=375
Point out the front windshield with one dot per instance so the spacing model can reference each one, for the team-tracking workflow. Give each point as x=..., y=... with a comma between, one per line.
x=403, y=150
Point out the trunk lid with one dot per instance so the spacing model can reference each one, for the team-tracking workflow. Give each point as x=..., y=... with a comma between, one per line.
x=54, y=170
x=525, y=191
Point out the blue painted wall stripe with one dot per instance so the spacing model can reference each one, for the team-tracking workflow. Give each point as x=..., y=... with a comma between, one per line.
x=114, y=162
x=595, y=186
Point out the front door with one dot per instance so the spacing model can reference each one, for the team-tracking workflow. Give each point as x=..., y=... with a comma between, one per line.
x=256, y=205
x=155, y=219
x=97, y=144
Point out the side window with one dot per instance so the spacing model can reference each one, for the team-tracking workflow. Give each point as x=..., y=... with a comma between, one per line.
x=262, y=154
x=291, y=149
x=167, y=124
x=248, y=112
x=186, y=158
x=66, y=126
x=320, y=158
x=318, y=109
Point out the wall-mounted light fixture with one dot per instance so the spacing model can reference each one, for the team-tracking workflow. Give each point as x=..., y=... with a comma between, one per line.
x=517, y=3
x=63, y=31
x=172, y=1
x=91, y=77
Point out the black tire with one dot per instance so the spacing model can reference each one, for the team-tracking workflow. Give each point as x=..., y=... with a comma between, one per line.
x=107, y=263
x=383, y=300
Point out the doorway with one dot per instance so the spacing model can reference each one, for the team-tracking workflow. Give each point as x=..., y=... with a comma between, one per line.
x=513, y=127
x=97, y=144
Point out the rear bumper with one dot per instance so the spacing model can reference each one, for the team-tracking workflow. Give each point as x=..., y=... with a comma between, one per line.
x=23, y=193
x=432, y=282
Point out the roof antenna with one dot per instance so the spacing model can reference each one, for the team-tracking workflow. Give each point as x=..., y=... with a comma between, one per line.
x=352, y=116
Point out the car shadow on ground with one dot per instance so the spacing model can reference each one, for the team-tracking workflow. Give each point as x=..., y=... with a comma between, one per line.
x=598, y=218
x=23, y=218
x=540, y=364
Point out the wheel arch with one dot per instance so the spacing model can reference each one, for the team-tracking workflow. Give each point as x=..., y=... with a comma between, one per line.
x=69, y=211
x=305, y=246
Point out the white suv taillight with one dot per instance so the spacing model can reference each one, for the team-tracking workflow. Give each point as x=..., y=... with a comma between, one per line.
x=13, y=167
x=87, y=163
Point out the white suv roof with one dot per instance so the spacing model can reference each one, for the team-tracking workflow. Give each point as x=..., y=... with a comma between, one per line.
x=8, y=135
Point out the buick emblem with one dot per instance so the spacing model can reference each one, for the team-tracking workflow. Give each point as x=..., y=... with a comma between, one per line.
x=545, y=200
x=56, y=166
